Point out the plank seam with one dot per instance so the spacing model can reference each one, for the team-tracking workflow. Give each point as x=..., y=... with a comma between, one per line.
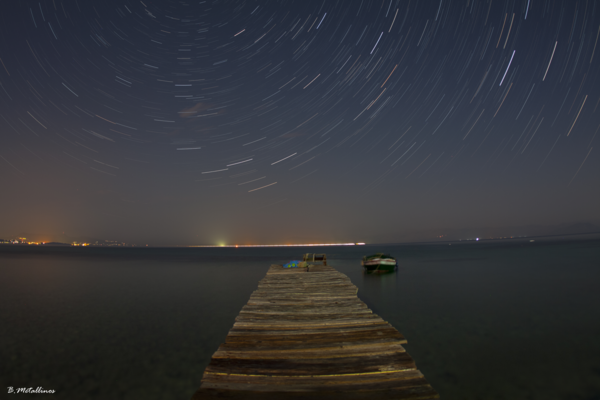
x=311, y=376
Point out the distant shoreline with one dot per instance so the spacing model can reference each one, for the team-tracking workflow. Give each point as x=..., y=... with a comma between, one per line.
x=487, y=240
x=456, y=241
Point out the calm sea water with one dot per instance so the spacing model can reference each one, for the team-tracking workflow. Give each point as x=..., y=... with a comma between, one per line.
x=514, y=320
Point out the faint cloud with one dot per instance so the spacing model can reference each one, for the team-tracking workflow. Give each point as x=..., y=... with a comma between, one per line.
x=199, y=109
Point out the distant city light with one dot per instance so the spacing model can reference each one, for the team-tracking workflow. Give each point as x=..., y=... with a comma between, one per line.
x=284, y=245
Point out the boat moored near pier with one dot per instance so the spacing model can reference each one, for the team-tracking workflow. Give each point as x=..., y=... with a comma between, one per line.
x=379, y=262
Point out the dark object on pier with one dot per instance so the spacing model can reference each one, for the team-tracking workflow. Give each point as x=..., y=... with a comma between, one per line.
x=315, y=258
x=308, y=336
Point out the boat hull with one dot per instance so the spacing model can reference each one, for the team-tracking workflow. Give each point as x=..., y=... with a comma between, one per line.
x=385, y=264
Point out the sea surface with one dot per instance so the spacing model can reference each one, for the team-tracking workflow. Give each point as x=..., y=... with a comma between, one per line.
x=484, y=320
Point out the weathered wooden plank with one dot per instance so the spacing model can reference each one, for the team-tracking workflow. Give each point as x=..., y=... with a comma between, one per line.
x=316, y=278
x=306, y=286
x=305, y=334
x=312, y=366
x=324, y=352
x=291, y=340
x=312, y=319
x=311, y=348
x=423, y=392
x=300, y=298
x=274, y=343
x=304, y=312
x=288, y=279
x=282, y=295
x=371, y=383
x=307, y=324
x=326, y=329
x=299, y=293
x=305, y=308
x=373, y=331
x=315, y=307
x=307, y=327
x=298, y=381
x=307, y=289
x=309, y=314
x=303, y=302
x=269, y=346
x=313, y=340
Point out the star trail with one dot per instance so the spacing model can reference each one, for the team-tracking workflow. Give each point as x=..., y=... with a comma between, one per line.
x=177, y=122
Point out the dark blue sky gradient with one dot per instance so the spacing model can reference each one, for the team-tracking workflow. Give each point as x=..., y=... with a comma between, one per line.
x=180, y=122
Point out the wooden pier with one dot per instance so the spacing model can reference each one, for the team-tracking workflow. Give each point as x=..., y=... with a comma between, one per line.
x=304, y=334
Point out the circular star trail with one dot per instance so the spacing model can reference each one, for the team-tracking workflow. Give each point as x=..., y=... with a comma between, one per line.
x=240, y=121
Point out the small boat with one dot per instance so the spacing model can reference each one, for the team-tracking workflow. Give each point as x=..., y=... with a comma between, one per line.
x=379, y=262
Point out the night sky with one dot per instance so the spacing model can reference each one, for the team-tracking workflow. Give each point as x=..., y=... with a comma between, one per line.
x=206, y=122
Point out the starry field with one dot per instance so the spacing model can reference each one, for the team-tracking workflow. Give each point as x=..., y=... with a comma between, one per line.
x=181, y=122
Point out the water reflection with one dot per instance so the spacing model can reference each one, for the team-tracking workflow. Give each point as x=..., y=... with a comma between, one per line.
x=377, y=288
x=382, y=279
x=378, y=273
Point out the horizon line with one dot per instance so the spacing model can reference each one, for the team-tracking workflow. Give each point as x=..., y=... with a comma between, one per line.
x=282, y=245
